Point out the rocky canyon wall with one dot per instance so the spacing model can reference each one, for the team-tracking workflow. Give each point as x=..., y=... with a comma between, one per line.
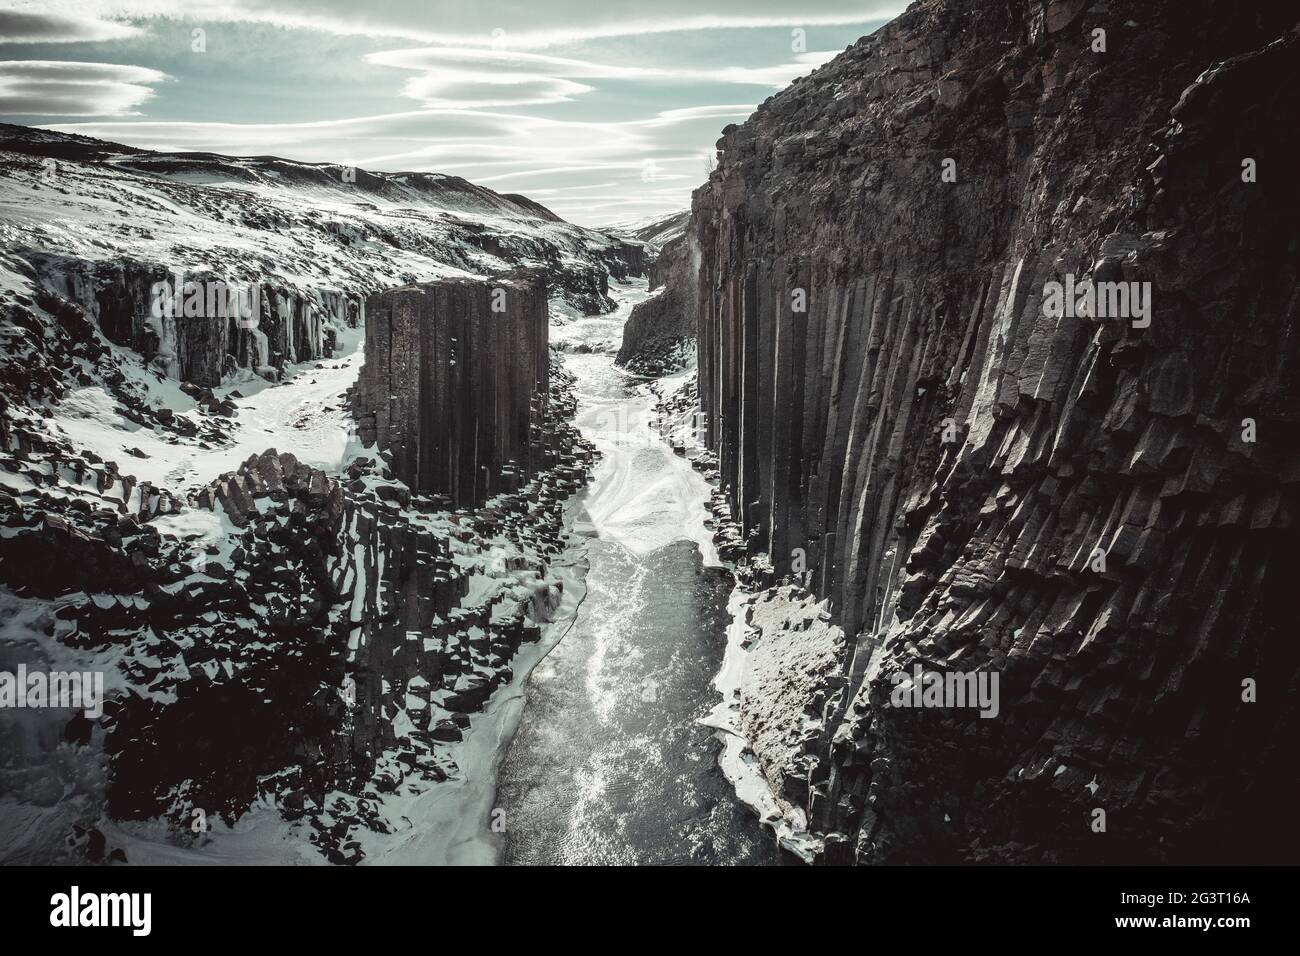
x=661, y=331
x=280, y=621
x=1098, y=507
x=280, y=636
x=455, y=384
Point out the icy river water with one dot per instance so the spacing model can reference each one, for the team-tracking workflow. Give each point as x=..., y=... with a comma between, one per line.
x=609, y=764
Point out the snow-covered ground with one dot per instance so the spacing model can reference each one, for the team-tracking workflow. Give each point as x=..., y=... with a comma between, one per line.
x=324, y=232
x=301, y=228
x=304, y=414
x=643, y=495
x=737, y=759
x=572, y=331
x=308, y=226
x=452, y=823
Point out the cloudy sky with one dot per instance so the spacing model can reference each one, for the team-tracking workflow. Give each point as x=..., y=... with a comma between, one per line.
x=604, y=110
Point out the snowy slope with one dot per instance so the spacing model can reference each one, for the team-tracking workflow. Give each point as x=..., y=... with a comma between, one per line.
x=658, y=231
x=248, y=219
x=93, y=222
x=148, y=532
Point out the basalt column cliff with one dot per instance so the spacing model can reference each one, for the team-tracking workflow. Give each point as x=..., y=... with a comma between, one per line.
x=919, y=417
x=478, y=347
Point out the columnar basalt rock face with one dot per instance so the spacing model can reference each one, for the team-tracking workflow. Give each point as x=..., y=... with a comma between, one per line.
x=661, y=330
x=455, y=384
x=286, y=326
x=622, y=259
x=1100, y=510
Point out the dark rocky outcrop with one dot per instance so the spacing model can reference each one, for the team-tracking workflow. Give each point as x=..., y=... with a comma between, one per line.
x=289, y=326
x=659, y=335
x=1078, y=504
x=455, y=384
x=317, y=657
x=52, y=347
x=623, y=260
x=583, y=283
x=280, y=636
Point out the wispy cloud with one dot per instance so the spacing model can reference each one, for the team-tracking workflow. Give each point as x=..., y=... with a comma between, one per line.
x=461, y=76
x=42, y=26
x=538, y=98
x=424, y=135
x=519, y=25
x=688, y=113
x=69, y=88
x=452, y=89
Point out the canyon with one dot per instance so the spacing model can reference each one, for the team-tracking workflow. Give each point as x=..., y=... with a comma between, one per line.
x=295, y=642
x=659, y=335
x=815, y=524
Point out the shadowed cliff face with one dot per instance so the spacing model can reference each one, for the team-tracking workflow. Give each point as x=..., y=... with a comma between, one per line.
x=1099, y=509
x=661, y=330
x=476, y=347
x=288, y=327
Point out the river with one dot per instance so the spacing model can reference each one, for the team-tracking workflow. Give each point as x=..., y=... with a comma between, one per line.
x=610, y=764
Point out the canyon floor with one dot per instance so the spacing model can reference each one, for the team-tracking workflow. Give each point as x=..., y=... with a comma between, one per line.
x=611, y=763
x=605, y=745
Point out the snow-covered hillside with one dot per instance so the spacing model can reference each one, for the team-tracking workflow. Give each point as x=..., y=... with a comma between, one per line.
x=289, y=638
x=658, y=231
x=98, y=225
x=68, y=202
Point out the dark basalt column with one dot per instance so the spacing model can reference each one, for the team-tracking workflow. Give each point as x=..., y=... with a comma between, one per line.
x=455, y=384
